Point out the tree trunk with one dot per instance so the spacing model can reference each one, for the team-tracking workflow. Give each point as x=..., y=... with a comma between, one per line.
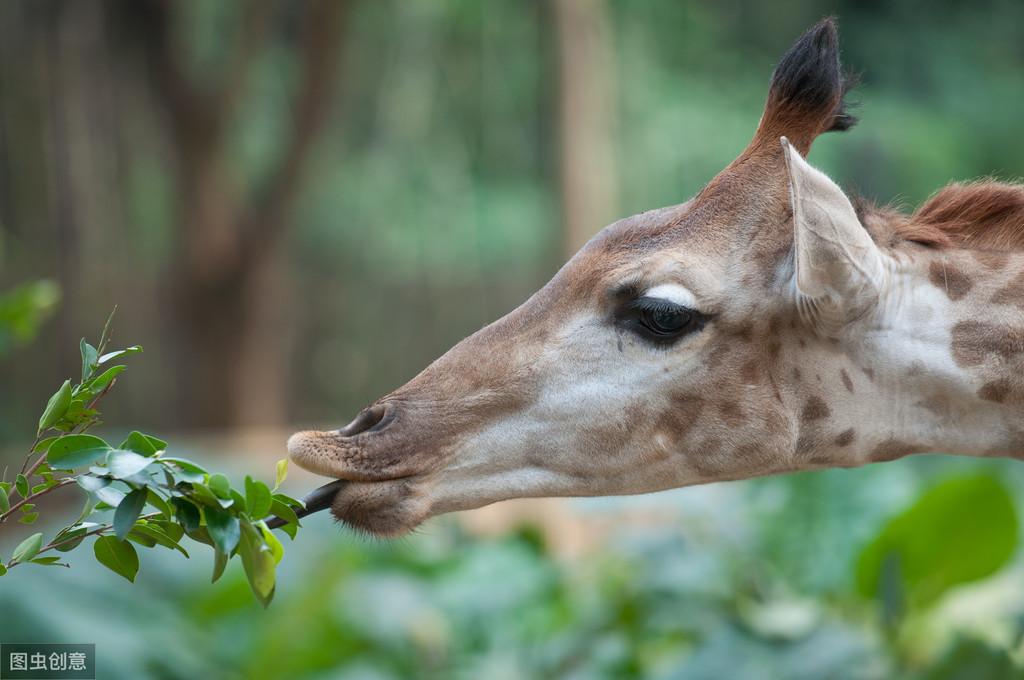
x=586, y=103
x=227, y=292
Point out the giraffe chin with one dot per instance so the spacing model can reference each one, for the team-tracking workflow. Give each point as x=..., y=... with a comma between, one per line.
x=386, y=509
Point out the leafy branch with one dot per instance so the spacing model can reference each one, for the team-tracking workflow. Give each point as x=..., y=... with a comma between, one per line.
x=186, y=500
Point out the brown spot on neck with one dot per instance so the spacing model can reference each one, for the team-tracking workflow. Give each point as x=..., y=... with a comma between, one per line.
x=846, y=380
x=990, y=258
x=846, y=437
x=1012, y=293
x=995, y=391
x=815, y=409
x=954, y=282
x=973, y=341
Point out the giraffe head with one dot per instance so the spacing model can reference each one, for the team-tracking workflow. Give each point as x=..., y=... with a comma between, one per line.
x=667, y=352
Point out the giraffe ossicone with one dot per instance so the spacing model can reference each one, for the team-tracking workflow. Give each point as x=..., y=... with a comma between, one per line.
x=766, y=325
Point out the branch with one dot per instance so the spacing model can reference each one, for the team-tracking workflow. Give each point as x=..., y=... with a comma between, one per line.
x=56, y=544
x=34, y=496
x=318, y=499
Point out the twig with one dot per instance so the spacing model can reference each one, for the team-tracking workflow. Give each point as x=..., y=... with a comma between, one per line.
x=315, y=501
x=34, y=496
x=31, y=450
x=55, y=544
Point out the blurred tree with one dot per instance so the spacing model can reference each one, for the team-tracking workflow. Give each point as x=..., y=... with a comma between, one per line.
x=586, y=105
x=225, y=277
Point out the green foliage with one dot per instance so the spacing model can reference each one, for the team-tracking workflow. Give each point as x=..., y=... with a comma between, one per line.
x=117, y=555
x=185, y=499
x=961, y=530
x=23, y=310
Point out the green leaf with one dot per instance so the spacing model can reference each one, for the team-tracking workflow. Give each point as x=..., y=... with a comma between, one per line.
x=288, y=500
x=44, y=444
x=144, y=478
x=290, y=529
x=172, y=529
x=143, y=444
x=186, y=513
x=49, y=560
x=89, y=359
x=76, y=450
x=219, y=485
x=28, y=548
x=5, y=502
x=29, y=518
x=134, y=349
x=154, y=534
x=21, y=484
x=257, y=498
x=220, y=561
x=123, y=464
x=202, y=493
x=76, y=415
x=101, y=382
x=283, y=511
x=141, y=539
x=282, y=473
x=185, y=464
x=258, y=561
x=69, y=540
x=223, y=528
x=276, y=549
x=201, y=535
x=110, y=496
x=56, y=407
x=960, y=530
x=184, y=469
x=3, y=569
x=118, y=556
x=91, y=484
x=157, y=501
x=128, y=511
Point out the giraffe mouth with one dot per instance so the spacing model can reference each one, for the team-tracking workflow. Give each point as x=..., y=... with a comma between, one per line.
x=377, y=487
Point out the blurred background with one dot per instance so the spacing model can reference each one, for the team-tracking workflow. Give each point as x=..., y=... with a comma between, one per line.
x=297, y=205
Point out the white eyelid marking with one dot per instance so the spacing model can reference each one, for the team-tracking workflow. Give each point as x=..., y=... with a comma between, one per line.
x=673, y=293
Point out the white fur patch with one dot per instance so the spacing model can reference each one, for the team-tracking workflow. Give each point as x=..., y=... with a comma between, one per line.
x=673, y=292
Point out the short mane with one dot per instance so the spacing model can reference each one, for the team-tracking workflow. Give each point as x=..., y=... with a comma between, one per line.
x=982, y=215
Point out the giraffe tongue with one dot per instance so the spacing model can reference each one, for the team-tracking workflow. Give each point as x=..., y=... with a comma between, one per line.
x=316, y=500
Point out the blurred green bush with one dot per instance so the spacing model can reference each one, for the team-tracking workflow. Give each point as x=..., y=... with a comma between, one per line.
x=711, y=598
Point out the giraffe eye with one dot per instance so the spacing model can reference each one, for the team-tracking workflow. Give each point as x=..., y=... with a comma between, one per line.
x=665, y=320
x=661, y=321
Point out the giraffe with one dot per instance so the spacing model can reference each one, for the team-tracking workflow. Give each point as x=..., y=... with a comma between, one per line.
x=768, y=324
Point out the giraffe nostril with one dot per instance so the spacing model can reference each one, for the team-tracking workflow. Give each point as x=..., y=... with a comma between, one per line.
x=367, y=419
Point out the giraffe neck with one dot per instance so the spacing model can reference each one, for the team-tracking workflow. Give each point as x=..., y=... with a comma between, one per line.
x=939, y=368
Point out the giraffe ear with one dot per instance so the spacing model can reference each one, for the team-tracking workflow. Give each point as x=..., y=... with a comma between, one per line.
x=838, y=269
